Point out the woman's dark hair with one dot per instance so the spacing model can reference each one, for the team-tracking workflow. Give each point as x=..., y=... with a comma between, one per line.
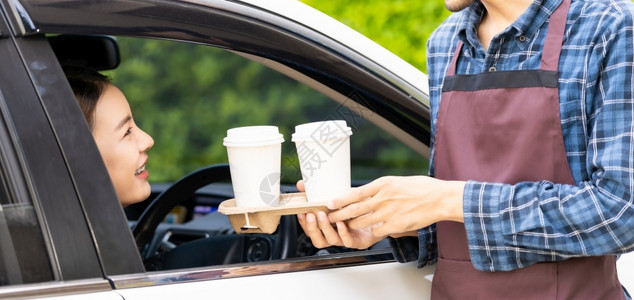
x=88, y=85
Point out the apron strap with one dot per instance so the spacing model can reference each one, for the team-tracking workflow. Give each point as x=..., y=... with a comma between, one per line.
x=451, y=71
x=552, y=44
x=555, y=37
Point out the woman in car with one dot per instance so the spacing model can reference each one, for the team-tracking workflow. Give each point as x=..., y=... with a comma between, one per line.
x=121, y=142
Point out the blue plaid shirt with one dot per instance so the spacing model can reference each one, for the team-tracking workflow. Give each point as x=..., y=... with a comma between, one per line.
x=514, y=226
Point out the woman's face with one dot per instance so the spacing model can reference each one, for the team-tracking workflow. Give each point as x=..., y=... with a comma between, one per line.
x=122, y=146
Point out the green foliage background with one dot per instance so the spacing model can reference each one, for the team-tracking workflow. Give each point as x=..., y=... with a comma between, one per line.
x=401, y=26
x=187, y=96
x=213, y=94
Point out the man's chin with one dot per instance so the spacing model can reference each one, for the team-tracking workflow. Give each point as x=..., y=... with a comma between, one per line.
x=457, y=5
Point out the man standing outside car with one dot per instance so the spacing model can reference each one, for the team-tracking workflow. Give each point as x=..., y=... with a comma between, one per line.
x=532, y=194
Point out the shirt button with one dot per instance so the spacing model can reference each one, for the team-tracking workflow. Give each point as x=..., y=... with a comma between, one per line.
x=522, y=38
x=492, y=69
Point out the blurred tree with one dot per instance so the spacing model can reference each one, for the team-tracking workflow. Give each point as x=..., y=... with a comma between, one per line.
x=401, y=26
x=186, y=96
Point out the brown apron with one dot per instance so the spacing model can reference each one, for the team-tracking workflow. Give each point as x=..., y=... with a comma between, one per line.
x=505, y=127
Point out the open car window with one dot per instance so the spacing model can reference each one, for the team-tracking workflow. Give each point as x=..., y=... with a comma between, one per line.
x=186, y=96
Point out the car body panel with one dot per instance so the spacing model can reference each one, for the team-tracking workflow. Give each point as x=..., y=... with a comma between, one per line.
x=72, y=289
x=110, y=295
x=373, y=281
x=625, y=270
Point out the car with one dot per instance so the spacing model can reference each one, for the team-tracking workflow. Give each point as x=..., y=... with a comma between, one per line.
x=192, y=70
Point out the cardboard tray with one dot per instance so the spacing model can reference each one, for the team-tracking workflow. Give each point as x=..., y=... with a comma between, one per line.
x=266, y=219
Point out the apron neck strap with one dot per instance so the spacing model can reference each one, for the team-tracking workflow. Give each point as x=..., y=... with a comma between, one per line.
x=555, y=37
x=552, y=44
x=452, y=66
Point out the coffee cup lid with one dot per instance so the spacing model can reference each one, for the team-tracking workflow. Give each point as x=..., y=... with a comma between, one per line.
x=321, y=131
x=250, y=136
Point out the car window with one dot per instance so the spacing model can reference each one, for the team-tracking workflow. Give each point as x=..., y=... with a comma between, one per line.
x=186, y=96
x=23, y=253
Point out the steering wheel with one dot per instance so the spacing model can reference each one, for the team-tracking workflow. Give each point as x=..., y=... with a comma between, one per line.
x=231, y=248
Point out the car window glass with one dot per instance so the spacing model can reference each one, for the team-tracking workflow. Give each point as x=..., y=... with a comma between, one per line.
x=23, y=253
x=186, y=96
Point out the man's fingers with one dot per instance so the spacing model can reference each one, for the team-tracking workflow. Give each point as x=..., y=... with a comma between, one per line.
x=309, y=224
x=366, y=220
x=301, y=218
x=300, y=185
x=345, y=235
x=355, y=195
x=327, y=230
x=353, y=210
x=380, y=229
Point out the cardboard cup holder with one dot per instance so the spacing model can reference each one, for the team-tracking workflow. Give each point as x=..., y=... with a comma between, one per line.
x=266, y=219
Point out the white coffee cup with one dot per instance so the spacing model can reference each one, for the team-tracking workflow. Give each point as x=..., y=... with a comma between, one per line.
x=323, y=149
x=255, y=154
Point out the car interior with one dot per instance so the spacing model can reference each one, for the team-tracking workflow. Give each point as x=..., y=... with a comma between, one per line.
x=179, y=226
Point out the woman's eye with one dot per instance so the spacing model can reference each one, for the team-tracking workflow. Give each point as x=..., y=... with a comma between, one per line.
x=128, y=132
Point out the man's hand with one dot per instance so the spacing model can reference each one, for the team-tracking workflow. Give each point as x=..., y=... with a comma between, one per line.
x=389, y=206
x=395, y=205
x=322, y=233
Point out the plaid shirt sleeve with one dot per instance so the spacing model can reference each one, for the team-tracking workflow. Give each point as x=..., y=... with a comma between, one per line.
x=422, y=248
x=514, y=226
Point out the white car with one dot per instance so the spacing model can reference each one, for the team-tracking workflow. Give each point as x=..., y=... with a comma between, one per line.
x=63, y=233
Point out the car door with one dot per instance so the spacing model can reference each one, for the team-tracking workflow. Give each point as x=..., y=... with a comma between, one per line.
x=347, y=272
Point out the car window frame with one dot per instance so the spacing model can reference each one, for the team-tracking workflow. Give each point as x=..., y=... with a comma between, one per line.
x=89, y=187
x=60, y=165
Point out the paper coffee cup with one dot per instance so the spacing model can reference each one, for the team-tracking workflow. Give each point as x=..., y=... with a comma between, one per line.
x=323, y=149
x=255, y=154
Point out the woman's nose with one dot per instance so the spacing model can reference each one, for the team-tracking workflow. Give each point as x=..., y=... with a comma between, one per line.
x=146, y=141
